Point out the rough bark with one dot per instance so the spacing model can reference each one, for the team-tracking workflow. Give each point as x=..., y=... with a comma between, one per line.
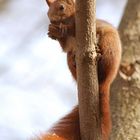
x=86, y=70
x=125, y=98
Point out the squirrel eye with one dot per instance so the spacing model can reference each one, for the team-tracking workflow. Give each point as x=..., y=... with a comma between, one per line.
x=61, y=7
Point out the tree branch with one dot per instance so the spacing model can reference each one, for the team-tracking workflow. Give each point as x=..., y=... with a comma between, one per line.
x=86, y=70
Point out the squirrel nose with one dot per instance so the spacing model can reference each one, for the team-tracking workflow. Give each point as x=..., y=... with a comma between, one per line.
x=61, y=7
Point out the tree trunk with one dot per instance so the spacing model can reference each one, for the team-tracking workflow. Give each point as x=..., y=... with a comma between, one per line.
x=86, y=70
x=125, y=98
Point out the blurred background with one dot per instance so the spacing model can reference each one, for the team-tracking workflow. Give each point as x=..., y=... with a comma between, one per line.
x=36, y=87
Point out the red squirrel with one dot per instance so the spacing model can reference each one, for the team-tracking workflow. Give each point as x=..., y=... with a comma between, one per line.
x=61, y=14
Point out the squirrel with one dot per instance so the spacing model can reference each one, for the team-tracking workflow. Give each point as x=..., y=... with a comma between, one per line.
x=61, y=14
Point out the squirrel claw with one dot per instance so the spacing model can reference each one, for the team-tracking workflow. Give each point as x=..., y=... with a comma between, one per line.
x=63, y=29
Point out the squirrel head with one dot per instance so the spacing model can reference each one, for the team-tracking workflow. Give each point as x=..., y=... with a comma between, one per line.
x=60, y=10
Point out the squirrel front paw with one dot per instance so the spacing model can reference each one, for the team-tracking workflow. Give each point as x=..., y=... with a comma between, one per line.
x=54, y=32
x=63, y=29
x=57, y=31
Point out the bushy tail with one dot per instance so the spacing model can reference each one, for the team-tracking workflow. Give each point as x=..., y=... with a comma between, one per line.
x=66, y=129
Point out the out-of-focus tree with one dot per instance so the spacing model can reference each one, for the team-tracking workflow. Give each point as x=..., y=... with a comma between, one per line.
x=125, y=98
x=3, y=4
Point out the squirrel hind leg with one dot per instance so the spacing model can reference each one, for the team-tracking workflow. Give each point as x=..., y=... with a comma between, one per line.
x=109, y=61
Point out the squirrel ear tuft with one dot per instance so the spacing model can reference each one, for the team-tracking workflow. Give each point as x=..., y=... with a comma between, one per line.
x=49, y=2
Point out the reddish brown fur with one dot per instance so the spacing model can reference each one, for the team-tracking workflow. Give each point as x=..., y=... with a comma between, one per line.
x=51, y=137
x=108, y=64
